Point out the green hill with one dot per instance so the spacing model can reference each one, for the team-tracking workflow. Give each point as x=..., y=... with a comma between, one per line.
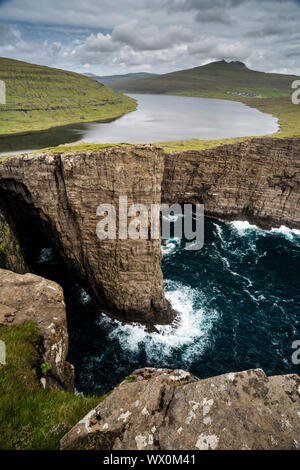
x=268, y=92
x=217, y=77
x=40, y=97
x=116, y=81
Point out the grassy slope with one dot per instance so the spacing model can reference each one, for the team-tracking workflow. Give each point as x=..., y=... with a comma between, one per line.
x=28, y=412
x=222, y=80
x=216, y=78
x=41, y=97
x=115, y=81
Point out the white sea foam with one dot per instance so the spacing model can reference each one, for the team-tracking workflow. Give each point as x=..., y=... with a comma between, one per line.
x=170, y=246
x=192, y=328
x=85, y=298
x=219, y=232
x=289, y=233
x=45, y=255
x=242, y=226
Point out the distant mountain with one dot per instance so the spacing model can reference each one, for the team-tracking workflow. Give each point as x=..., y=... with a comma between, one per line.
x=116, y=81
x=216, y=79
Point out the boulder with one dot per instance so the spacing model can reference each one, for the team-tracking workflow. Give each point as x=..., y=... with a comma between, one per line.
x=163, y=409
x=32, y=298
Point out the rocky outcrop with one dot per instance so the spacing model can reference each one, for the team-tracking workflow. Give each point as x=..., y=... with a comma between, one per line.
x=256, y=180
x=62, y=192
x=58, y=195
x=167, y=409
x=32, y=298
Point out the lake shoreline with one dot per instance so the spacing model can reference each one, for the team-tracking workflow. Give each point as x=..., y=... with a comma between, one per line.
x=155, y=122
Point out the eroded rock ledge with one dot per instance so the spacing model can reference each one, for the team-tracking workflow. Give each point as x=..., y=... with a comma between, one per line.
x=57, y=196
x=171, y=410
x=32, y=298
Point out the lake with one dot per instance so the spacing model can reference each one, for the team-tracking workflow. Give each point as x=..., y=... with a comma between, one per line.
x=158, y=118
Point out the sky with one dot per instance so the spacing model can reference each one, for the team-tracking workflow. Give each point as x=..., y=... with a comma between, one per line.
x=119, y=36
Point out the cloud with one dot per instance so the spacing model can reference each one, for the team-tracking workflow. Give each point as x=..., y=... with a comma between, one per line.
x=151, y=37
x=154, y=35
x=210, y=47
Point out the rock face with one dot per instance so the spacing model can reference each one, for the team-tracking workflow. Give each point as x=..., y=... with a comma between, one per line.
x=33, y=298
x=11, y=255
x=257, y=180
x=62, y=193
x=170, y=409
x=58, y=195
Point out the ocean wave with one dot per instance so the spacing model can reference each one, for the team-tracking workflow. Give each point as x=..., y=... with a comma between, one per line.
x=170, y=247
x=242, y=226
x=289, y=233
x=192, y=328
x=45, y=255
x=84, y=297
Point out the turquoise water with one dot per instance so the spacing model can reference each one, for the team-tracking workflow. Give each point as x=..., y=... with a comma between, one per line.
x=238, y=300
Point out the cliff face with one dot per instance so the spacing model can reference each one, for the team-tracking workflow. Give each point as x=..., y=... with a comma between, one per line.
x=35, y=299
x=56, y=196
x=257, y=180
x=171, y=410
x=11, y=254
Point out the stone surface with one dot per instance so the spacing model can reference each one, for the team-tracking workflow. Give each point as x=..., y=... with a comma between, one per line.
x=170, y=409
x=33, y=298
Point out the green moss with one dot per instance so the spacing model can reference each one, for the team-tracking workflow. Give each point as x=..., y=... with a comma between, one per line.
x=131, y=378
x=28, y=413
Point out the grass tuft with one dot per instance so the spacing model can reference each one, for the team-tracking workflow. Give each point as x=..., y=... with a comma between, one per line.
x=31, y=417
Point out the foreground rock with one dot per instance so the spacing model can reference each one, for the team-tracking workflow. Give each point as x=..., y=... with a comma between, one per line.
x=33, y=298
x=170, y=409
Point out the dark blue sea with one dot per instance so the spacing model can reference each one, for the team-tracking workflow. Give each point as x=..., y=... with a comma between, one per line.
x=238, y=300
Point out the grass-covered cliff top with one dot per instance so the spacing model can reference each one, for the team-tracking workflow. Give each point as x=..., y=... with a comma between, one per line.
x=39, y=97
x=31, y=417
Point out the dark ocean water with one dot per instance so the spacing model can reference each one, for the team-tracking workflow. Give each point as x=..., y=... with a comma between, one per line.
x=239, y=305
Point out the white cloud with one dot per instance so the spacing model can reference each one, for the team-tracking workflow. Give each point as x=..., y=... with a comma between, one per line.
x=152, y=35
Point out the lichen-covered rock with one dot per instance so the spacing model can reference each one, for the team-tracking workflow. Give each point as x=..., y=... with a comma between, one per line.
x=170, y=409
x=33, y=298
